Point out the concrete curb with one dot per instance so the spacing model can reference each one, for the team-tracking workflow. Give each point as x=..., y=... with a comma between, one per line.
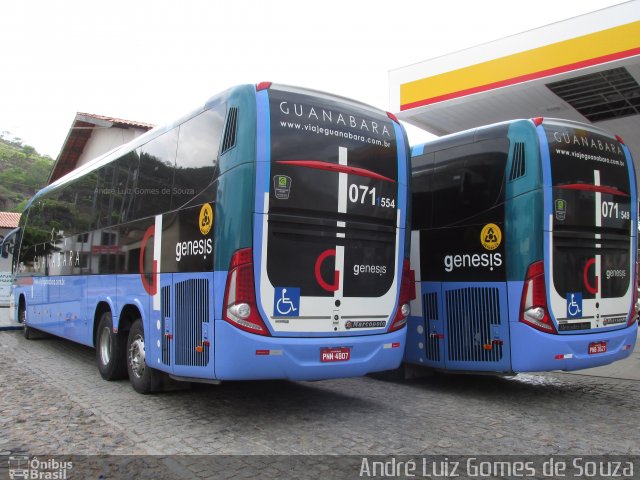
x=12, y=327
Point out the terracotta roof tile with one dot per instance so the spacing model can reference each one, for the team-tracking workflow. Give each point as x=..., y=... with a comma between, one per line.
x=118, y=121
x=9, y=219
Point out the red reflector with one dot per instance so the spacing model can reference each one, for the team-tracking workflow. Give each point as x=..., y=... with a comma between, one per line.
x=169, y=336
x=560, y=356
x=497, y=342
x=619, y=139
x=393, y=117
x=395, y=344
x=206, y=343
x=262, y=352
x=537, y=121
x=263, y=86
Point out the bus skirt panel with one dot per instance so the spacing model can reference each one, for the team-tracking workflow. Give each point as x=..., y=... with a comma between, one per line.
x=534, y=351
x=245, y=356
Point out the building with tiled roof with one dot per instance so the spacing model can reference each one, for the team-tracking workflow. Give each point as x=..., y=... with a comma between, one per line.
x=92, y=135
x=9, y=220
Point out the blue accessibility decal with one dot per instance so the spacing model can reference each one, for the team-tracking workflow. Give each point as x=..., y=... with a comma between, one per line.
x=574, y=305
x=286, y=302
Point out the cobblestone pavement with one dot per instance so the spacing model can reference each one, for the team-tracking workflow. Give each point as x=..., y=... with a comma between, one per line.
x=53, y=401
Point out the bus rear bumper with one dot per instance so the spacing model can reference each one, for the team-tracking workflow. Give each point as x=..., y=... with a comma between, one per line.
x=534, y=351
x=244, y=356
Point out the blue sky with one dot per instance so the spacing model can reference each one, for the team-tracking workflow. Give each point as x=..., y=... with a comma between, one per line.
x=152, y=61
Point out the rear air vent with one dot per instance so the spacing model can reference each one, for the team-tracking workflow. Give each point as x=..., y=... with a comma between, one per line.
x=430, y=306
x=230, y=130
x=518, y=161
x=471, y=315
x=602, y=95
x=165, y=308
x=192, y=312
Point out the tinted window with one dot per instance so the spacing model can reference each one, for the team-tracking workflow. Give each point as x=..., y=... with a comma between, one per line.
x=468, y=180
x=126, y=183
x=422, y=174
x=197, y=159
x=154, y=188
x=577, y=153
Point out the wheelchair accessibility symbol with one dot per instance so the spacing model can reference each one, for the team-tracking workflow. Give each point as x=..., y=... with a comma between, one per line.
x=574, y=305
x=286, y=302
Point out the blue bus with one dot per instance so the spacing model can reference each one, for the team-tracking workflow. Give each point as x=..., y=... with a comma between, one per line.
x=259, y=237
x=524, y=249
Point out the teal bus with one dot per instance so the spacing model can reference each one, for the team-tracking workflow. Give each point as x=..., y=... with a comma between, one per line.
x=260, y=237
x=524, y=246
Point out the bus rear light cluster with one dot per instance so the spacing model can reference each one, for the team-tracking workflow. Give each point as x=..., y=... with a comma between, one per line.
x=240, y=295
x=407, y=293
x=533, y=306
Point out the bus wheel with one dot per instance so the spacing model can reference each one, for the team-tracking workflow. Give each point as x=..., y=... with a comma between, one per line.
x=143, y=378
x=22, y=312
x=22, y=319
x=110, y=350
x=28, y=334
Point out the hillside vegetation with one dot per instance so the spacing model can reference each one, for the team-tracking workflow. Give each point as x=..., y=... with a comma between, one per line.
x=23, y=172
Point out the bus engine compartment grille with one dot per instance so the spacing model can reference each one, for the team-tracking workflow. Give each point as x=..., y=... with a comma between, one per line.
x=165, y=308
x=430, y=314
x=192, y=310
x=471, y=315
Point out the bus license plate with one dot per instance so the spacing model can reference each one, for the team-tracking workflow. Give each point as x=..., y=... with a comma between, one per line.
x=597, y=347
x=338, y=354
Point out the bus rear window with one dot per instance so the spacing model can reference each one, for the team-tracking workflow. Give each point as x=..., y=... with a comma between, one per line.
x=584, y=157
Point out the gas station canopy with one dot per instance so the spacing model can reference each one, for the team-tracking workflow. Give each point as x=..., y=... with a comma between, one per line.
x=585, y=68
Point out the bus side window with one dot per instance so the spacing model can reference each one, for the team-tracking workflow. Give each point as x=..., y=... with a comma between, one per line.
x=197, y=159
x=157, y=163
x=422, y=187
x=127, y=183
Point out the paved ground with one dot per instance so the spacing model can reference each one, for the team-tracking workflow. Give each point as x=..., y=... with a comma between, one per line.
x=53, y=401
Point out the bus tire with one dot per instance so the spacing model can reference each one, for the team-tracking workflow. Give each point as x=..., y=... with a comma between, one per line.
x=22, y=311
x=22, y=319
x=111, y=353
x=27, y=333
x=143, y=378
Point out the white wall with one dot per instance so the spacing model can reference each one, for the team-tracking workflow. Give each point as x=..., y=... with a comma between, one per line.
x=5, y=274
x=103, y=140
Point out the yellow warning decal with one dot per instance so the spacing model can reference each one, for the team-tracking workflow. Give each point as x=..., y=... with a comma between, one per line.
x=491, y=236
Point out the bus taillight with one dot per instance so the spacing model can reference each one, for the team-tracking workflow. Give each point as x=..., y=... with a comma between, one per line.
x=240, y=295
x=533, y=306
x=407, y=293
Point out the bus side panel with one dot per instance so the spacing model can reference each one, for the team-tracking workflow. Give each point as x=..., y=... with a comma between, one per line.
x=101, y=288
x=71, y=308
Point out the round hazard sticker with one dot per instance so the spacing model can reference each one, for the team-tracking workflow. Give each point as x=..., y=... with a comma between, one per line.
x=491, y=236
x=205, y=220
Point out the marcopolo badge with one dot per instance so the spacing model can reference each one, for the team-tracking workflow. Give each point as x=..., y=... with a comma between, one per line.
x=281, y=186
